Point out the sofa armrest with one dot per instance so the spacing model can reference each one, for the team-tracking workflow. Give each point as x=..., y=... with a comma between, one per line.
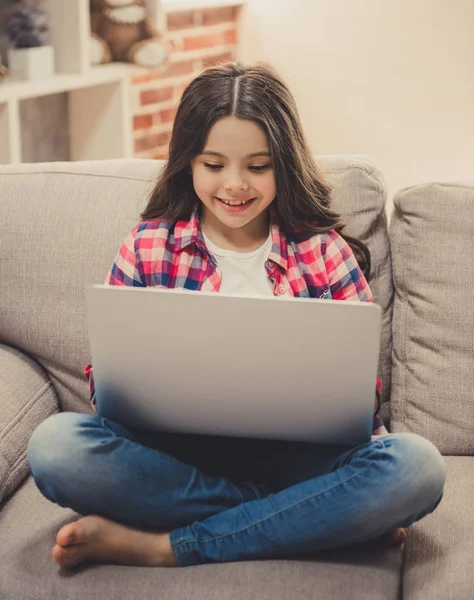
x=27, y=397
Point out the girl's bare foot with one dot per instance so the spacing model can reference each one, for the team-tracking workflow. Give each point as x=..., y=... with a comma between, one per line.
x=98, y=539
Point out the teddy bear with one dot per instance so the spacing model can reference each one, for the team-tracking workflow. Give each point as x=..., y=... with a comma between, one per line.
x=121, y=31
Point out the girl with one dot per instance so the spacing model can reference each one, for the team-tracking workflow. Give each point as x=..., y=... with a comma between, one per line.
x=239, y=207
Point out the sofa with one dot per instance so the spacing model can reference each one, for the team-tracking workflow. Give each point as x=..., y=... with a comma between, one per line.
x=61, y=225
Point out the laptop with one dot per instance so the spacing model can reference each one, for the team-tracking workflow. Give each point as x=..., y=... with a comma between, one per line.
x=183, y=361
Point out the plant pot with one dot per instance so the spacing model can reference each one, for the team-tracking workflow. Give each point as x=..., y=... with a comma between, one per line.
x=31, y=63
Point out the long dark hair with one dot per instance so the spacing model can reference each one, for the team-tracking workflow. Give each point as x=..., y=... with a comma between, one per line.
x=256, y=93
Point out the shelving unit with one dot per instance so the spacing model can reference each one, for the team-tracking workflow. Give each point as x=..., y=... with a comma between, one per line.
x=98, y=97
x=9, y=132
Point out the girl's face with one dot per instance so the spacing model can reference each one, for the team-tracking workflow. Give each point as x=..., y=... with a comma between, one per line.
x=233, y=177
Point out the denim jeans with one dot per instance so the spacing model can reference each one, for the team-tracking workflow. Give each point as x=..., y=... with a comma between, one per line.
x=229, y=499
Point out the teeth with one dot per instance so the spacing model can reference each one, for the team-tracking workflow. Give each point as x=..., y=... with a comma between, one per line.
x=234, y=203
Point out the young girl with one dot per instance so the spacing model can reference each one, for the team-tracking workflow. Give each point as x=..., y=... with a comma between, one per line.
x=239, y=207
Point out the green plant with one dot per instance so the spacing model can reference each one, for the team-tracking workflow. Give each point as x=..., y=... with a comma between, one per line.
x=26, y=26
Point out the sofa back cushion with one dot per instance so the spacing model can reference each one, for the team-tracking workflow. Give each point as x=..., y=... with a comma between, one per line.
x=432, y=238
x=61, y=225
x=359, y=195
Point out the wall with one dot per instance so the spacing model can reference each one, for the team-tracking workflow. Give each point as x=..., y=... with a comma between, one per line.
x=393, y=79
x=199, y=38
x=45, y=128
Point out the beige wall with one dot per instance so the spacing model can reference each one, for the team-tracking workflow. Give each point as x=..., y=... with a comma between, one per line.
x=393, y=79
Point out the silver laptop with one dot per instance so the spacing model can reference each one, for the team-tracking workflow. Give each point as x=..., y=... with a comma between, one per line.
x=220, y=364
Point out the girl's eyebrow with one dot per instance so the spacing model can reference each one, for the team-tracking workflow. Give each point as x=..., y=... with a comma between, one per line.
x=212, y=153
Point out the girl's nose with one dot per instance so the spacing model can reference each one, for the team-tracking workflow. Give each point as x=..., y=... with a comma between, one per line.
x=237, y=184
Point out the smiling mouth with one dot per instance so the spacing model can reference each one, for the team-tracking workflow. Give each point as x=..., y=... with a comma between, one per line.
x=235, y=202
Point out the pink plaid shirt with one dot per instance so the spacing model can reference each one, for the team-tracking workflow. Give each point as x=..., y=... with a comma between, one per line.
x=174, y=255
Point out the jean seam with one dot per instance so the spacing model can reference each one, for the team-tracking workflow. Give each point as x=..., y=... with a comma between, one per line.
x=380, y=445
x=178, y=543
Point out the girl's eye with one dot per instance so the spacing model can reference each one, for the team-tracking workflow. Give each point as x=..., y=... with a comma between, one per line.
x=259, y=168
x=254, y=168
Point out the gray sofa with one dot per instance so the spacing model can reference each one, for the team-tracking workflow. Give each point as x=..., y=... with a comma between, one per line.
x=60, y=227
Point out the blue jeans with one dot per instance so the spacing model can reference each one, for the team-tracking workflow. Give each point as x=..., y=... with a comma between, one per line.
x=229, y=499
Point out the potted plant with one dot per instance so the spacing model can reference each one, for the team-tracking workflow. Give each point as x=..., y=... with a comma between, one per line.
x=27, y=30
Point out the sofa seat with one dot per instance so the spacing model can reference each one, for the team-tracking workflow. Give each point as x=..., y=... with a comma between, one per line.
x=29, y=524
x=440, y=551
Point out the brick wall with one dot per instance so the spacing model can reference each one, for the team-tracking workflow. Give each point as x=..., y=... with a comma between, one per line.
x=199, y=38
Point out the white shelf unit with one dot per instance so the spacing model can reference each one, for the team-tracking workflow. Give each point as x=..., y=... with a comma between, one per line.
x=100, y=123
x=100, y=119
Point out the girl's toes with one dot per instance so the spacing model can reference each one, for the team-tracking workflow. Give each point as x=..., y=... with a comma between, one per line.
x=70, y=534
x=67, y=557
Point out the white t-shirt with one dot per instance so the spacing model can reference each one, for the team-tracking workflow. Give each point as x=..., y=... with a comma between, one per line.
x=243, y=272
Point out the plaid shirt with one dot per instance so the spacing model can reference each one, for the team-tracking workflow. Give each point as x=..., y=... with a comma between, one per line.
x=160, y=253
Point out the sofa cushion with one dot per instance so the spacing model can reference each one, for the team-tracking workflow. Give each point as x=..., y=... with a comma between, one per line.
x=26, y=399
x=439, y=552
x=29, y=524
x=61, y=225
x=359, y=194
x=432, y=238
